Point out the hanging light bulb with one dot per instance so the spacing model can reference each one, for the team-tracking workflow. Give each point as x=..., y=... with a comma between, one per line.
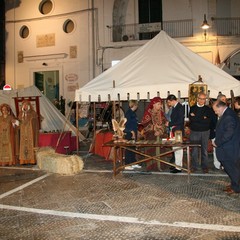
x=205, y=24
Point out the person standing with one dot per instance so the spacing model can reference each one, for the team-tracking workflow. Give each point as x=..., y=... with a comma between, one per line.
x=176, y=123
x=168, y=118
x=154, y=128
x=227, y=144
x=216, y=163
x=154, y=120
x=29, y=131
x=131, y=128
x=199, y=122
x=237, y=106
x=222, y=97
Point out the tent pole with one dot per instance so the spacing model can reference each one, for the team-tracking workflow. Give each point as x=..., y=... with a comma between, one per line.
x=92, y=145
x=94, y=119
x=77, y=135
x=62, y=131
x=114, y=104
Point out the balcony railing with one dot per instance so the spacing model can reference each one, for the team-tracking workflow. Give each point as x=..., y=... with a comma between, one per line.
x=145, y=31
x=227, y=26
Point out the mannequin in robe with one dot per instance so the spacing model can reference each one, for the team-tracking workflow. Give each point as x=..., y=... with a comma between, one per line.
x=7, y=136
x=29, y=132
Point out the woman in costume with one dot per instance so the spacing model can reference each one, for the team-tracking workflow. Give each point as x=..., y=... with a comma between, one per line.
x=154, y=120
x=154, y=128
x=7, y=136
x=29, y=131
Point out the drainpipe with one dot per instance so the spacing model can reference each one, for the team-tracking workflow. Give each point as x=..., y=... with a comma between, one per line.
x=93, y=40
x=14, y=48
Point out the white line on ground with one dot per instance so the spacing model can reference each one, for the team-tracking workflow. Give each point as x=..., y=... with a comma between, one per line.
x=159, y=173
x=132, y=220
x=23, y=186
x=22, y=168
x=213, y=227
x=134, y=172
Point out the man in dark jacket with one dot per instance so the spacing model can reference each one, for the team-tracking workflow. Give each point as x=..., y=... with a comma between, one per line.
x=176, y=123
x=227, y=143
x=200, y=118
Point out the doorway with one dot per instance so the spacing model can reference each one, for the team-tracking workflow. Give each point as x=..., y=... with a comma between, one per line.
x=48, y=83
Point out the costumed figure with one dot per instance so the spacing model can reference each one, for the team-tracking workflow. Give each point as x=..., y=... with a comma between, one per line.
x=153, y=121
x=29, y=131
x=154, y=128
x=7, y=136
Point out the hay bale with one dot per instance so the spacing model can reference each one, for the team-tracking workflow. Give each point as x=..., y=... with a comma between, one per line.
x=49, y=160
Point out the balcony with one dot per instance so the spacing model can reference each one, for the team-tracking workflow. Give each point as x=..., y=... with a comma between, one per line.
x=227, y=26
x=146, y=31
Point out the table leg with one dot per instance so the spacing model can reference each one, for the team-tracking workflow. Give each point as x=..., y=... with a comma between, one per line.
x=158, y=153
x=188, y=163
x=114, y=161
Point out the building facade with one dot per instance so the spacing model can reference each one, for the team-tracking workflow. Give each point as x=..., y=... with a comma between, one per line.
x=59, y=45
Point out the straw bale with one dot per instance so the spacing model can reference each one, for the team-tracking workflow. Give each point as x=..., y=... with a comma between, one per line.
x=49, y=160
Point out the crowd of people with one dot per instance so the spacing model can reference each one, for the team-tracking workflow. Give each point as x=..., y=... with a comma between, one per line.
x=18, y=135
x=217, y=124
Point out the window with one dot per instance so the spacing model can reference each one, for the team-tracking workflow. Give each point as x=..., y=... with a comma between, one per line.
x=45, y=7
x=48, y=83
x=150, y=11
x=24, y=32
x=68, y=26
x=114, y=62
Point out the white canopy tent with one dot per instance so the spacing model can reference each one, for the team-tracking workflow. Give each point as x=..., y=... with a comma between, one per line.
x=53, y=119
x=160, y=66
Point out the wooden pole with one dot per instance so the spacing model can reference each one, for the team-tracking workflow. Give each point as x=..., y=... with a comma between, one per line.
x=77, y=135
x=114, y=104
x=62, y=134
x=94, y=119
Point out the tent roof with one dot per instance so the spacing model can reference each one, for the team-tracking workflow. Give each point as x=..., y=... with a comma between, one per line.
x=161, y=65
x=53, y=119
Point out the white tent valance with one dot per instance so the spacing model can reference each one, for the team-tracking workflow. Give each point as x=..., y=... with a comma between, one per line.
x=161, y=66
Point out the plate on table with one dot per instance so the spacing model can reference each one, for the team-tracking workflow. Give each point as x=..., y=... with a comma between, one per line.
x=168, y=140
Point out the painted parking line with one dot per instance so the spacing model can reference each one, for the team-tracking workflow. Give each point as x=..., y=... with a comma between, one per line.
x=132, y=220
x=158, y=173
x=35, y=168
x=23, y=186
x=213, y=227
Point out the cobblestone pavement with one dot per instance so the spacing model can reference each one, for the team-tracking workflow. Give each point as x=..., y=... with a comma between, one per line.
x=35, y=205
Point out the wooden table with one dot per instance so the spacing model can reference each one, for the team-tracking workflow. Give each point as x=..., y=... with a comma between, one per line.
x=119, y=146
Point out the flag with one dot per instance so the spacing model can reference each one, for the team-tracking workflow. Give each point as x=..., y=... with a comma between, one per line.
x=217, y=59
